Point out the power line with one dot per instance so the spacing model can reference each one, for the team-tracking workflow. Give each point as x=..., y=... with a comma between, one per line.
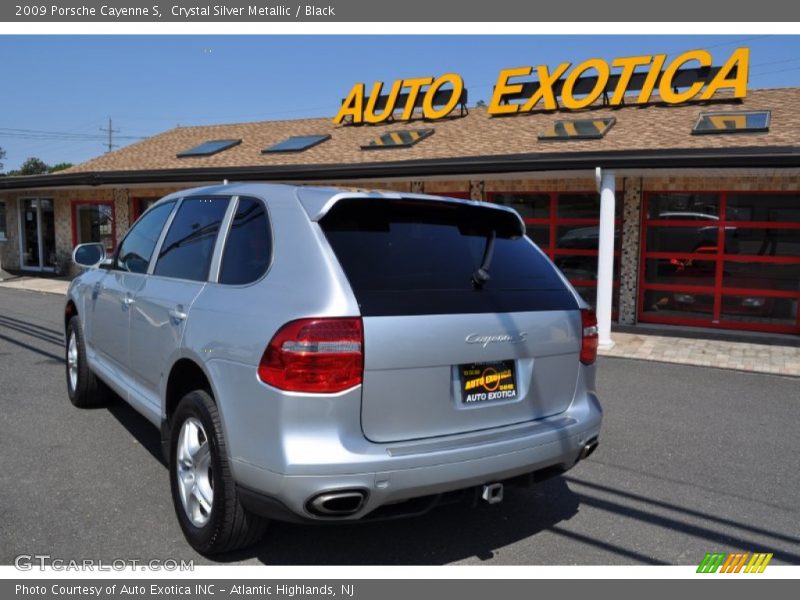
x=731, y=42
x=759, y=73
x=13, y=132
x=41, y=131
x=775, y=62
x=99, y=138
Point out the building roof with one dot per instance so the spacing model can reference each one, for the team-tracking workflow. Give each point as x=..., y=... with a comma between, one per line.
x=473, y=143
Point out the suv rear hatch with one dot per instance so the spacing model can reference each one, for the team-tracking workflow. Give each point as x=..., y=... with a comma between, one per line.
x=446, y=350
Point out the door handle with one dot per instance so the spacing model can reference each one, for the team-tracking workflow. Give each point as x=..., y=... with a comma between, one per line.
x=177, y=314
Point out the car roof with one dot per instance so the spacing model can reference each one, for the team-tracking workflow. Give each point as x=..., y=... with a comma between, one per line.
x=317, y=201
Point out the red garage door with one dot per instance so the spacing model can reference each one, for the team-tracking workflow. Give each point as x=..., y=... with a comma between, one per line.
x=721, y=259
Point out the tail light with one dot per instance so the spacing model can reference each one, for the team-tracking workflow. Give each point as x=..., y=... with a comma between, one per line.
x=589, y=336
x=315, y=355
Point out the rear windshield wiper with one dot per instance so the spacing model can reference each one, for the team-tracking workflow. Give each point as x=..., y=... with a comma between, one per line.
x=481, y=274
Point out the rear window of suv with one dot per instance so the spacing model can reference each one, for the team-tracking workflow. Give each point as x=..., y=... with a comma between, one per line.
x=419, y=257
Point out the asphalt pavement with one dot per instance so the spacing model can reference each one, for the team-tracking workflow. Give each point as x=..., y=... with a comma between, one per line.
x=691, y=460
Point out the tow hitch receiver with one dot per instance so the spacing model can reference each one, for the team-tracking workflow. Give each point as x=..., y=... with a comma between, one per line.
x=492, y=493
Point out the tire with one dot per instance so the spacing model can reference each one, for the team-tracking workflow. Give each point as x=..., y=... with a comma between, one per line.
x=84, y=388
x=203, y=491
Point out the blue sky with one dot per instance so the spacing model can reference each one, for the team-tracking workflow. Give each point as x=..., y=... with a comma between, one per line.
x=147, y=84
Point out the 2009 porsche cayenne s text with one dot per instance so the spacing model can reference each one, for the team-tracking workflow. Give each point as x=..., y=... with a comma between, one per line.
x=323, y=355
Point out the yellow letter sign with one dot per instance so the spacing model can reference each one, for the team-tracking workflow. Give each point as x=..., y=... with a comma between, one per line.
x=361, y=109
x=505, y=90
x=510, y=95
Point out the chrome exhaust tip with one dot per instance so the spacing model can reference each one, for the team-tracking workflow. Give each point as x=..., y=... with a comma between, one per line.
x=337, y=504
x=588, y=448
x=492, y=493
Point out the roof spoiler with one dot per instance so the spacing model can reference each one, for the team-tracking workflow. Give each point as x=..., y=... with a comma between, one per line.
x=318, y=202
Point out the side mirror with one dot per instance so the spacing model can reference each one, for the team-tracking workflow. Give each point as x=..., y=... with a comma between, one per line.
x=88, y=255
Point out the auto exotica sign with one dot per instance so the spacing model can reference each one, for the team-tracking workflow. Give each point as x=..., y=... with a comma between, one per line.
x=689, y=76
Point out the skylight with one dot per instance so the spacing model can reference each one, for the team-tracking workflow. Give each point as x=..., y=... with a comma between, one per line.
x=208, y=148
x=732, y=122
x=297, y=143
x=580, y=129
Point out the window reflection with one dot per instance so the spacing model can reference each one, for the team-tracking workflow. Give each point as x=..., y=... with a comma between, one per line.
x=710, y=284
x=95, y=223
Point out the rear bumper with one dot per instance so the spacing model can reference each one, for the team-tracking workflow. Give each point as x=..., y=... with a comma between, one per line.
x=392, y=474
x=271, y=508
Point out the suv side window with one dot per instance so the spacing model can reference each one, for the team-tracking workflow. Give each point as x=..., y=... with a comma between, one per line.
x=248, y=248
x=137, y=247
x=189, y=244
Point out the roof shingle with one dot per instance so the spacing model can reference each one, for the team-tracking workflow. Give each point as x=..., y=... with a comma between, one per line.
x=651, y=127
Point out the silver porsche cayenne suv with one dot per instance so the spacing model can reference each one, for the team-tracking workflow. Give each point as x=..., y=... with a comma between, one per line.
x=320, y=355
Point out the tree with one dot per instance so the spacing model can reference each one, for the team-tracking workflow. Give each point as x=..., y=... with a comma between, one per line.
x=59, y=167
x=2, y=156
x=32, y=166
x=36, y=166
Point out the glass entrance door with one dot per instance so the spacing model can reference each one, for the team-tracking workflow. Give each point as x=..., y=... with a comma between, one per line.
x=38, y=234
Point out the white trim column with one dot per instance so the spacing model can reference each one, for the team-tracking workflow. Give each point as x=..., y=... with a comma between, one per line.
x=605, y=258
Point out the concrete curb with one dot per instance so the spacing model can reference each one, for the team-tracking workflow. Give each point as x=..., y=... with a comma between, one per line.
x=36, y=284
x=723, y=354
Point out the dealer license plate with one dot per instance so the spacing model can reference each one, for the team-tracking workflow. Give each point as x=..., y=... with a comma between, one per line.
x=488, y=382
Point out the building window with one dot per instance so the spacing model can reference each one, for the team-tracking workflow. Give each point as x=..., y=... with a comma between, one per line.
x=722, y=259
x=566, y=227
x=94, y=222
x=139, y=206
x=2, y=221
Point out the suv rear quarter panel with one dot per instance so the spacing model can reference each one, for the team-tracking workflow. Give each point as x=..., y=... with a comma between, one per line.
x=304, y=280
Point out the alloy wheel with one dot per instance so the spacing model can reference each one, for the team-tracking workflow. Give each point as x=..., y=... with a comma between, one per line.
x=194, y=473
x=72, y=361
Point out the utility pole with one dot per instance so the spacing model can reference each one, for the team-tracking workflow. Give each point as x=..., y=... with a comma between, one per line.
x=111, y=132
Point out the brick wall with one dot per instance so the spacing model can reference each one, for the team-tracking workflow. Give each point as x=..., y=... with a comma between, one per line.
x=122, y=211
x=415, y=186
x=629, y=261
x=541, y=185
x=762, y=184
x=446, y=187
x=390, y=185
x=9, y=249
